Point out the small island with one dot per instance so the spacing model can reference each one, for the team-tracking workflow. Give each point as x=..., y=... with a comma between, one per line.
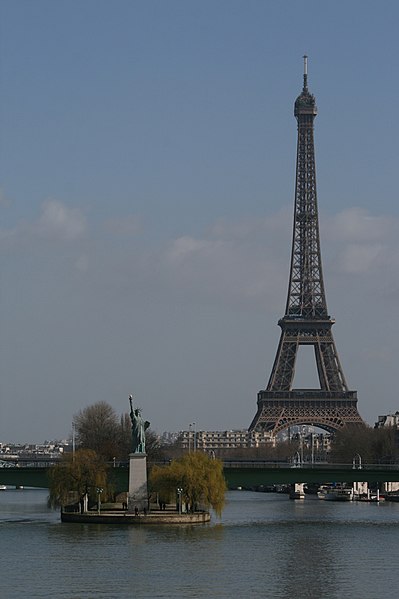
x=181, y=491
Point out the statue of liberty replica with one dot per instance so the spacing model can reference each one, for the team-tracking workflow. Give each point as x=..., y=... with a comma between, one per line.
x=138, y=428
x=138, y=495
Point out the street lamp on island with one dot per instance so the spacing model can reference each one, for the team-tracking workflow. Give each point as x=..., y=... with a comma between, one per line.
x=179, y=498
x=99, y=491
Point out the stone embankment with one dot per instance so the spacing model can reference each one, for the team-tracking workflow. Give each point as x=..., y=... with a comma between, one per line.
x=157, y=517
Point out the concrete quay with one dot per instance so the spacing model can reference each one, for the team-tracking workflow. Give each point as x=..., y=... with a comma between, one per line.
x=154, y=517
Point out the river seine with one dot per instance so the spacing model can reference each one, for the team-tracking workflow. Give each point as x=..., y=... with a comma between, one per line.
x=265, y=545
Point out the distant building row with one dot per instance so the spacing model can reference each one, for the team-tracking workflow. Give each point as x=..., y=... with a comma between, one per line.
x=232, y=439
x=50, y=449
x=388, y=420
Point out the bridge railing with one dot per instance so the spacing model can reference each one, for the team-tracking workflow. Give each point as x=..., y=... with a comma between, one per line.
x=307, y=465
x=26, y=462
x=47, y=461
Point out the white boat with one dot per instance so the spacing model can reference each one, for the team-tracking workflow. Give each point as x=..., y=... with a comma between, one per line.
x=3, y=488
x=335, y=493
x=321, y=493
x=297, y=491
x=297, y=495
x=339, y=494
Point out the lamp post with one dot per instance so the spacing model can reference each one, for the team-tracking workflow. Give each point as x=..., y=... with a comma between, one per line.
x=312, y=441
x=73, y=441
x=297, y=460
x=99, y=491
x=302, y=434
x=179, y=494
x=195, y=439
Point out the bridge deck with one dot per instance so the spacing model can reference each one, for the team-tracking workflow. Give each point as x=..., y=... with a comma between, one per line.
x=237, y=474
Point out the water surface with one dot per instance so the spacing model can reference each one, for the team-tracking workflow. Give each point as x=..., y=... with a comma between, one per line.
x=265, y=545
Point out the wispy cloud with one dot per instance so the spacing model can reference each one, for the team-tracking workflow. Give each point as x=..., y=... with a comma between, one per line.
x=56, y=221
x=361, y=242
x=359, y=226
x=248, y=260
x=241, y=261
x=59, y=221
x=233, y=262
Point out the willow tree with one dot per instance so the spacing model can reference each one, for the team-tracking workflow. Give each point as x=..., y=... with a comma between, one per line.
x=76, y=477
x=198, y=478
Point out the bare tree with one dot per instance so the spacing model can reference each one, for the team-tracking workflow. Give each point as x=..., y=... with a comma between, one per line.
x=97, y=428
x=373, y=445
x=125, y=436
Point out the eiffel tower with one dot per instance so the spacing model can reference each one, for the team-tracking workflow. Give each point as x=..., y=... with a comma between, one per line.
x=306, y=320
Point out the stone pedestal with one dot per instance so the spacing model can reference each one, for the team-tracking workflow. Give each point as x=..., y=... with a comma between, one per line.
x=137, y=495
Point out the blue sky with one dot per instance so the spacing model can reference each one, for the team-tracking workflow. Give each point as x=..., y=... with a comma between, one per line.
x=147, y=161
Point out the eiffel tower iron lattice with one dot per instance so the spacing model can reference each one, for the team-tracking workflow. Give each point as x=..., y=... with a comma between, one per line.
x=306, y=320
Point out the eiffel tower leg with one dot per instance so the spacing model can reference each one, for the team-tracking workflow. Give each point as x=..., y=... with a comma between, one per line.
x=283, y=371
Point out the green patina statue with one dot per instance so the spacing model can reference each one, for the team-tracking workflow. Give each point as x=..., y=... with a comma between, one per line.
x=139, y=426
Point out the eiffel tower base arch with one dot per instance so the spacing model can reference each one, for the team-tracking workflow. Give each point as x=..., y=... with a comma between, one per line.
x=328, y=410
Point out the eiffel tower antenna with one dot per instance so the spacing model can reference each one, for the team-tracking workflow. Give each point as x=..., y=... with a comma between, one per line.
x=306, y=320
x=305, y=73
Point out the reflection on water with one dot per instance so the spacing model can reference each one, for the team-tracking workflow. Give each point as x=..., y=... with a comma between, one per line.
x=264, y=546
x=307, y=556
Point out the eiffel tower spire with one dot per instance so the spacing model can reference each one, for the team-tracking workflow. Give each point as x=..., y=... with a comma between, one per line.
x=306, y=320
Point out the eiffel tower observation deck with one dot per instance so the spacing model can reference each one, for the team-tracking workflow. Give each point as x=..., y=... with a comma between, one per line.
x=306, y=320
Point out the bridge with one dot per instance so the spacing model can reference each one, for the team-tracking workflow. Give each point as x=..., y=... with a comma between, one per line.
x=250, y=474
x=246, y=474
